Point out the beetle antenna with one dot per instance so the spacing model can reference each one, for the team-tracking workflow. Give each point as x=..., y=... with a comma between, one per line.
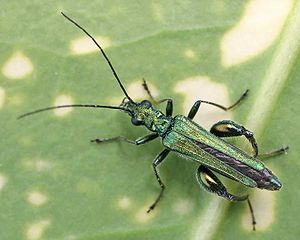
x=103, y=53
x=71, y=106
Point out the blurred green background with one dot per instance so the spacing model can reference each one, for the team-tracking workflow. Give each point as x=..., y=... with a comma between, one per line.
x=55, y=184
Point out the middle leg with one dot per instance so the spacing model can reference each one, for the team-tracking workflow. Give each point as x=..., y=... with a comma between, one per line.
x=197, y=104
x=159, y=158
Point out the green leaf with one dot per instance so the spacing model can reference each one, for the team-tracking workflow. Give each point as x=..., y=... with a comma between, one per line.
x=55, y=184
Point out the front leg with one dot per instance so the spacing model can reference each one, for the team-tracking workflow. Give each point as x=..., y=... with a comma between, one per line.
x=228, y=128
x=169, y=108
x=214, y=185
x=138, y=141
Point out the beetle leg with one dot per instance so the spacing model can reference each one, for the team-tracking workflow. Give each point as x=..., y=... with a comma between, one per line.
x=274, y=153
x=158, y=159
x=228, y=128
x=197, y=104
x=138, y=141
x=169, y=109
x=214, y=185
x=194, y=109
x=145, y=86
x=211, y=183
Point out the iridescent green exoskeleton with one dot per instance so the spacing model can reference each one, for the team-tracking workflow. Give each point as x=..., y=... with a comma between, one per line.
x=189, y=140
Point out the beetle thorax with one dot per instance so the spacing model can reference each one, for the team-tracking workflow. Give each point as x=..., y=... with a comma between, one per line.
x=153, y=119
x=144, y=114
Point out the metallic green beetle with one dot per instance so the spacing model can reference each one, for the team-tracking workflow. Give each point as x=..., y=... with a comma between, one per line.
x=189, y=140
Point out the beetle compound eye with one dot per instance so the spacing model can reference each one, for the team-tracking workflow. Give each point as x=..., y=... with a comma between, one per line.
x=146, y=103
x=136, y=122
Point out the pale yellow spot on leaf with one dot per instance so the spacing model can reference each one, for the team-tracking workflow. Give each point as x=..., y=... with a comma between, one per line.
x=204, y=226
x=259, y=27
x=3, y=181
x=85, y=45
x=2, y=97
x=183, y=206
x=263, y=203
x=36, y=230
x=189, y=53
x=37, y=198
x=16, y=100
x=71, y=237
x=158, y=12
x=142, y=216
x=38, y=165
x=63, y=100
x=124, y=202
x=202, y=88
x=17, y=66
